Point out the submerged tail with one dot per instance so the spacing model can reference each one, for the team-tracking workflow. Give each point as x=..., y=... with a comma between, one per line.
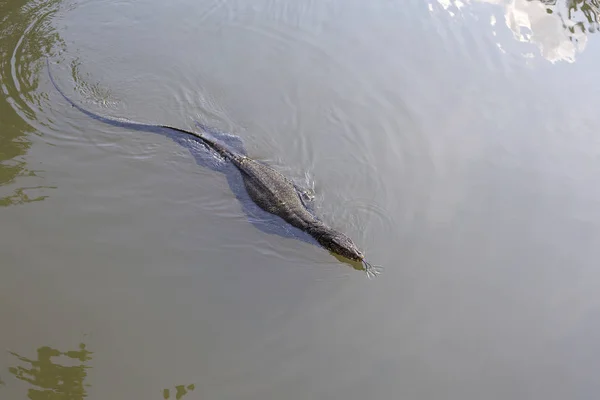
x=124, y=123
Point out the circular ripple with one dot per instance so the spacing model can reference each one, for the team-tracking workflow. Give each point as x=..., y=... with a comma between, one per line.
x=390, y=143
x=385, y=137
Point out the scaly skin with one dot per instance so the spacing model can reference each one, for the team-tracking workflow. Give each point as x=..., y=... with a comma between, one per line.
x=268, y=188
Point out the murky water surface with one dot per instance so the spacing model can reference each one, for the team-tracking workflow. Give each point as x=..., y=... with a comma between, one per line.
x=455, y=141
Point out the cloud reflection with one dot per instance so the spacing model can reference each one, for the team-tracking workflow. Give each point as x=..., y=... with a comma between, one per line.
x=559, y=28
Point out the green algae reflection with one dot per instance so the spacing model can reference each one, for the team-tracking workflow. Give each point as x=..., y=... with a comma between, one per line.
x=180, y=391
x=58, y=375
x=25, y=36
x=52, y=380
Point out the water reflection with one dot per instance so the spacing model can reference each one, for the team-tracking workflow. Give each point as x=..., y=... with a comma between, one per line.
x=21, y=196
x=24, y=37
x=51, y=380
x=180, y=391
x=558, y=28
x=54, y=380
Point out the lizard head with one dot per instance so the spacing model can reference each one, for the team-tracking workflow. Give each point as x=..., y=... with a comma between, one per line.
x=341, y=244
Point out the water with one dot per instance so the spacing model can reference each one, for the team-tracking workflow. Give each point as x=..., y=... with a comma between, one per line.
x=455, y=142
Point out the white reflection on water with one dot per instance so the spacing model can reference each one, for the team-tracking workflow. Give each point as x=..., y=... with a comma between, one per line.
x=557, y=27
